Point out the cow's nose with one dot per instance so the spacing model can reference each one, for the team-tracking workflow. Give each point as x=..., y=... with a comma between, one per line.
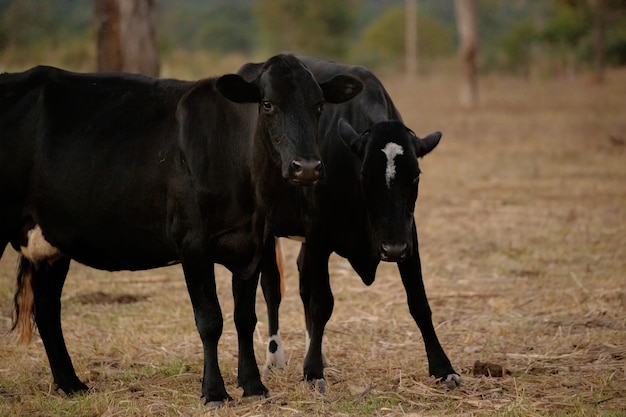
x=393, y=252
x=305, y=171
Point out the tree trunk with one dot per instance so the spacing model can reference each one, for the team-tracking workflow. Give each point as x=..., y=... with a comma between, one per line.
x=411, y=39
x=126, y=36
x=468, y=50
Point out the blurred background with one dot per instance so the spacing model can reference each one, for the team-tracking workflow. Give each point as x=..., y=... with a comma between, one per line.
x=521, y=215
x=198, y=38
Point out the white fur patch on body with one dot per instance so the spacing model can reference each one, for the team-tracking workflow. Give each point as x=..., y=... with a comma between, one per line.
x=274, y=360
x=38, y=248
x=391, y=150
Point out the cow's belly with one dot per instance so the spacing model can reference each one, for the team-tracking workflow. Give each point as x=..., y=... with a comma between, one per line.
x=132, y=250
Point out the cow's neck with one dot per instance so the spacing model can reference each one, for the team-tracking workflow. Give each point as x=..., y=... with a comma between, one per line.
x=266, y=171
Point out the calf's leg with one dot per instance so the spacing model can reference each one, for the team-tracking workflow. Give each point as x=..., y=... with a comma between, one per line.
x=244, y=293
x=318, y=302
x=271, y=284
x=439, y=365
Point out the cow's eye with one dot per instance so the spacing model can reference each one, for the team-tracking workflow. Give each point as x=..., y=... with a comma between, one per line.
x=319, y=108
x=267, y=105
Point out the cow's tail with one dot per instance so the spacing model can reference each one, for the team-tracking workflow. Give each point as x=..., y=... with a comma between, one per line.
x=24, y=303
x=280, y=262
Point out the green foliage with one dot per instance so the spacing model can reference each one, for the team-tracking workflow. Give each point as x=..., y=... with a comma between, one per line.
x=320, y=27
x=551, y=37
x=566, y=28
x=227, y=29
x=218, y=26
x=384, y=39
x=27, y=22
x=616, y=44
x=515, y=48
x=520, y=37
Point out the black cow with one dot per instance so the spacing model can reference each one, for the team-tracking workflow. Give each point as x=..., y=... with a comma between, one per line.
x=129, y=172
x=363, y=210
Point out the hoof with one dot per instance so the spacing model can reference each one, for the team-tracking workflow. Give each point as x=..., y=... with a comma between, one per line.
x=255, y=398
x=74, y=389
x=452, y=381
x=215, y=405
x=255, y=389
x=218, y=400
x=318, y=385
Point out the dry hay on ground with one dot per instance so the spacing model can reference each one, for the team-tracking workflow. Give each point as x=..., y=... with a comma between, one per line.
x=522, y=222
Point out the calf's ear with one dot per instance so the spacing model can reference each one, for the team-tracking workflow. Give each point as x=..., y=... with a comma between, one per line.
x=351, y=138
x=235, y=88
x=341, y=88
x=427, y=144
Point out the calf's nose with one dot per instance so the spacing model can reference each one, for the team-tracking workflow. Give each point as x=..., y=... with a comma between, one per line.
x=305, y=171
x=393, y=252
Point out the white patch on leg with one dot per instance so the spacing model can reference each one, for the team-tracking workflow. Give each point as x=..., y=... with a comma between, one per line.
x=38, y=248
x=276, y=359
x=391, y=150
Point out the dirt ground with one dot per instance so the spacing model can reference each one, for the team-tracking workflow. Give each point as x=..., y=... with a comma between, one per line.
x=522, y=226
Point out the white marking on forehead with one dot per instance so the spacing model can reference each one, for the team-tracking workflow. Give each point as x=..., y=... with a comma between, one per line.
x=391, y=150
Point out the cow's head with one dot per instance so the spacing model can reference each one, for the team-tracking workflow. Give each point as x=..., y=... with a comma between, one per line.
x=290, y=104
x=390, y=175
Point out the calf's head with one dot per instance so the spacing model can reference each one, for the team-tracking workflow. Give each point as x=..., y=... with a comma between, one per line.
x=290, y=104
x=390, y=175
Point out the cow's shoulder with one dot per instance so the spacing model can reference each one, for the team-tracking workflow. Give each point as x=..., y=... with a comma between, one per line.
x=15, y=86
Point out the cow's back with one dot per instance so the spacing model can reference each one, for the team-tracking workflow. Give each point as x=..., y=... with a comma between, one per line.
x=111, y=146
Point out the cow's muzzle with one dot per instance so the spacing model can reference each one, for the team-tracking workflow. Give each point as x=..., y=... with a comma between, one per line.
x=305, y=171
x=395, y=252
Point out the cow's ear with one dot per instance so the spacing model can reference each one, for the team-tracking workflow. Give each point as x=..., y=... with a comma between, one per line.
x=251, y=71
x=351, y=138
x=427, y=144
x=235, y=88
x=341, y=88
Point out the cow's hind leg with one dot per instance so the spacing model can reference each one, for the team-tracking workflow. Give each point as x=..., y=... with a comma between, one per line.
x=272, y=285
x=439, y=365
x=244, y=293
x=318, y=302
x=47, y=284
x=200, y=280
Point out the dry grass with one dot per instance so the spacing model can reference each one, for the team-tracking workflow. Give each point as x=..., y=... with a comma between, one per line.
x=522, y=221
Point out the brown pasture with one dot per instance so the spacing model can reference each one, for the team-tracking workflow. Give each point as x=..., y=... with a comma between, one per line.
x=522, y=224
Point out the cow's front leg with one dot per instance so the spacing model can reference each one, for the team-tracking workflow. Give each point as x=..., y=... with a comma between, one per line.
x=318, y=302
x=439, y=365
x=271, y=283
x=200, y=280
x=244, y=293
x=47, y=281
